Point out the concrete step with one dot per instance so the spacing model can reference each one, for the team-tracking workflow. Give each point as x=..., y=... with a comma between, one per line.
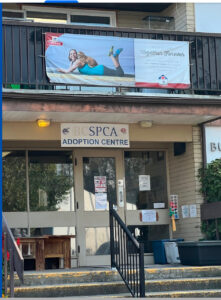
x=75, y=289
x=55, y=277
x=183, y=284
x=117, y=287
x=181, y=294
x=186, y=294
x=180, y=271
x=67, y=277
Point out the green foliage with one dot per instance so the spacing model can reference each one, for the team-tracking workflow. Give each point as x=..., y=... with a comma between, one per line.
x=210, y=179
x=209, y=229
x=14, y=184
x=54, y=184
x=48, y=186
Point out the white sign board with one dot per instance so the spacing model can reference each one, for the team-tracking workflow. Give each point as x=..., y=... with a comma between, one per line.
x=149, y=215
x=161, y=63
x=159, y=205
x=193, y=211
x=185, y=211
x=95, y=135
x=100, y=184
x=100, y=201
x=144, y=182
x=213, y=143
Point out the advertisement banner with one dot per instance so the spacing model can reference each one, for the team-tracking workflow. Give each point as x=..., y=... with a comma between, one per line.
x=113, y=61
x=161, y=64
x=95, y=135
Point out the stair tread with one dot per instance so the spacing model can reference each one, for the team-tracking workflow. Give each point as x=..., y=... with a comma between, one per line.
x=70, y=284
x=183, y=292
x=184, y=279
x=160, y=268
x=117, y=283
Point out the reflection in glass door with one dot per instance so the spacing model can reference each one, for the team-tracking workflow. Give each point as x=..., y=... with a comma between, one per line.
x=153, y=165
x=99, y=183
x=99, y=191
x=146, y=189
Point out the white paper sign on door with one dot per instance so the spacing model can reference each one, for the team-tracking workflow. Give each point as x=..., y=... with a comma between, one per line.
x=144, y=182
x=100, y=201
x=100, y=184
x=149, y=215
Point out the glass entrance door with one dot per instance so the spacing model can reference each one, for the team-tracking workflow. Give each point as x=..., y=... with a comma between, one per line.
x=146, y=192
x=96, y=174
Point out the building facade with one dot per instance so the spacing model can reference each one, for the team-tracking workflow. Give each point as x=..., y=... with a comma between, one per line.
x=56, y=190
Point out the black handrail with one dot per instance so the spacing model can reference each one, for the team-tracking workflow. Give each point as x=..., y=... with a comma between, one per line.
x=16, y=260
x=127, y=255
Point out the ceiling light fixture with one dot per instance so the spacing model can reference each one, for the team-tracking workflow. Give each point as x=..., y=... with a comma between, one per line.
x=43, y=123
x=146, y=124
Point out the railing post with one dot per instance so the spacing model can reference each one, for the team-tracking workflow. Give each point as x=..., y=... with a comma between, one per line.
x=111, y=238
x=5, y=264
x=142, y=275
x=11, y=273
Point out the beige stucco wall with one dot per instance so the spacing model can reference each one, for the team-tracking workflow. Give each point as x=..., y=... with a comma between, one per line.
x=183, y=172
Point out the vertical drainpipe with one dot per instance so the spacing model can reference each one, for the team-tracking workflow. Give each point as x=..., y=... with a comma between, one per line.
x=203, y=135
x=202, y=127
x=27, y=191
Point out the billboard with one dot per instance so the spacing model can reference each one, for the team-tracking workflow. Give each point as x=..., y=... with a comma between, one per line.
x=114, y=61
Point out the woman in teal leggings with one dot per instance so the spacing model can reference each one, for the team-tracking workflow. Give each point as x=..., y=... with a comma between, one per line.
x=85, y=69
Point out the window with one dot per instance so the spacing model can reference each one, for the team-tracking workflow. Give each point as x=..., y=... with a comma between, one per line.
x=93, y=18
x=46, y=17
x=12, y=14
x=77, y=19
x=14, y=181
x=70, y=16
x=50, y=183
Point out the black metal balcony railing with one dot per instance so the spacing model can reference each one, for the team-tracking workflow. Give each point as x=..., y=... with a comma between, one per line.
x=24, y=44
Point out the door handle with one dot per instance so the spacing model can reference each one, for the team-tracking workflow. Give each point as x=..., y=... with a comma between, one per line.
x=121, y=193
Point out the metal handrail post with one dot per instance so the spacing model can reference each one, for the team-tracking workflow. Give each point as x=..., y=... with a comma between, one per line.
x=142, y=275
x=11, y=273
x=112, y=239
x=5, y=265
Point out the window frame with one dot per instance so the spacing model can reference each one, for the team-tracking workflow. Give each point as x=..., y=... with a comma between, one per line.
x=69, y=12
x=15, y=11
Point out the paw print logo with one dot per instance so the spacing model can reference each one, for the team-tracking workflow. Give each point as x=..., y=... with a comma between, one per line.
x=66, y=130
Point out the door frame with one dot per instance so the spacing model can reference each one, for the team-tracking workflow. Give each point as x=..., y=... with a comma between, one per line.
x=88, y=218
